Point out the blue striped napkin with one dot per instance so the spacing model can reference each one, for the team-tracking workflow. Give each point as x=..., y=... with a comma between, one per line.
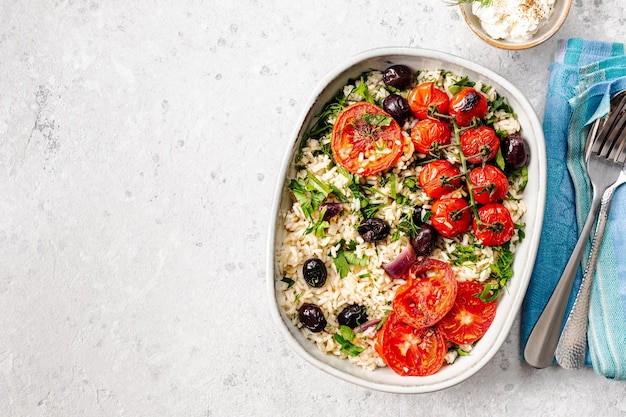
x=583, y=77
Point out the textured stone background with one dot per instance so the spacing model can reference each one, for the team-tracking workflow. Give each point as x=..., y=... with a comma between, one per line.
x=139, y=148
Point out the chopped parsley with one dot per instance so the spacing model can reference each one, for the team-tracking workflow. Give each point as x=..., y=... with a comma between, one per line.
x=346, y=257
x=290, y=283
x=377, y=120
x=462, y=254
x=501, y=272
x=344, y=337
x=461, y=84
x=363, y=90
x=310, y=192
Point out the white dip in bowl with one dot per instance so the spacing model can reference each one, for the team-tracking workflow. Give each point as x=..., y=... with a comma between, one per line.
x=513, y=20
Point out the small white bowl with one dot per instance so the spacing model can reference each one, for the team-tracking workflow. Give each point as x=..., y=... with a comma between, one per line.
x=558, y=17
x=510, y=301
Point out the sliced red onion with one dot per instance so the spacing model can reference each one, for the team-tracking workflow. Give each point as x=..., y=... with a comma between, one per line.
x=367, y=325
x=399, y=266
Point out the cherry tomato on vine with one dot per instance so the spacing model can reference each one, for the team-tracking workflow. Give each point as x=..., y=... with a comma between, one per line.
x=425, y=95
x=489, y=184
x=470, y=317
x=466, y=105
x=366, y=140
x=428, y=294
x=429, y=134
x=451, y=216
x=409, y=351
x=479, y=144
x=439, y=177
x=494, y=225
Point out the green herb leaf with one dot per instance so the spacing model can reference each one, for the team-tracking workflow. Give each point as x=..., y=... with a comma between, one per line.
x=392, y=186
x=502, y=270
x=383, y=320
x=462, y=352
x=346, y=332
x=370, y=210
x=298, y=188
x=290, y=283
x=353, y=259
x=363, y=91
x=346, y=257
x=483, y=3
x=411, y=183
x=408, y=225
x=500, y=159
x=309, y=192
x=342, y=265
x=344, y=337
x=461, y=84
x=462, y=254
x=377, y=120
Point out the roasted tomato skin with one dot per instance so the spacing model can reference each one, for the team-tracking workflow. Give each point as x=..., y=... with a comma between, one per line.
x=366, y=140
x=428, y=294
x=466, y=105
x=428, y=134
x=409, y=351
x=479, y=144
x=470, y=317
x=494, y=225
x=425, y=95
x=489, y=184
x=451, y=216
x=439, y=177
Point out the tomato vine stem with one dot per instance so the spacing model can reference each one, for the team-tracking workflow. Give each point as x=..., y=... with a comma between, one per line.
x=464, y=172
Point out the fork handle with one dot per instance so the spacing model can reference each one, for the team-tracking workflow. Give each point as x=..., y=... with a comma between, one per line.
x=572, y=346
x=543, y=339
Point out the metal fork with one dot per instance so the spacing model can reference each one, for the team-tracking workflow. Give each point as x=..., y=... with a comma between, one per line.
x=603, y=168
x=572, y=347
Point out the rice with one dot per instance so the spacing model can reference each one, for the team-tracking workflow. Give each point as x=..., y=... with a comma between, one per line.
x=368, y=284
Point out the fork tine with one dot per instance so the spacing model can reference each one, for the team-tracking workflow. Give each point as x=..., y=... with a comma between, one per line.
x=621, y=151
x=613, y=142
x=617, y=146
x=604, y=142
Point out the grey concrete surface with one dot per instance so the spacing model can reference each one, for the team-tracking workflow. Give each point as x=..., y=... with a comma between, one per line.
x=139, y=148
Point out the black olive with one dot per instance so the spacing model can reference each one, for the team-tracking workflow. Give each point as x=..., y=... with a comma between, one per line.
x=424, y=242
x=398, y=76
x=397, y=107
x=352, y=316
x=417, y=215
x=332, y=209
x=373, y=230
x=312, y=317
x=314, y=272
x=514, y=151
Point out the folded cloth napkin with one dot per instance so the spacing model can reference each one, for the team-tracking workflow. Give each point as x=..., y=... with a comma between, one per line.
x=583, y=78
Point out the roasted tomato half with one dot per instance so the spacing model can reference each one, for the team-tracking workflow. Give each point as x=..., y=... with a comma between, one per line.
x=451, y=216
x=428, y=294
x=479, y=144
x=427, y=97
x=466, y=105
x=439, y=177
x=366, y=140
x=494, y=225
x=489, y=184
x=430, y=134
x=409, y=351
x=470, y=317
